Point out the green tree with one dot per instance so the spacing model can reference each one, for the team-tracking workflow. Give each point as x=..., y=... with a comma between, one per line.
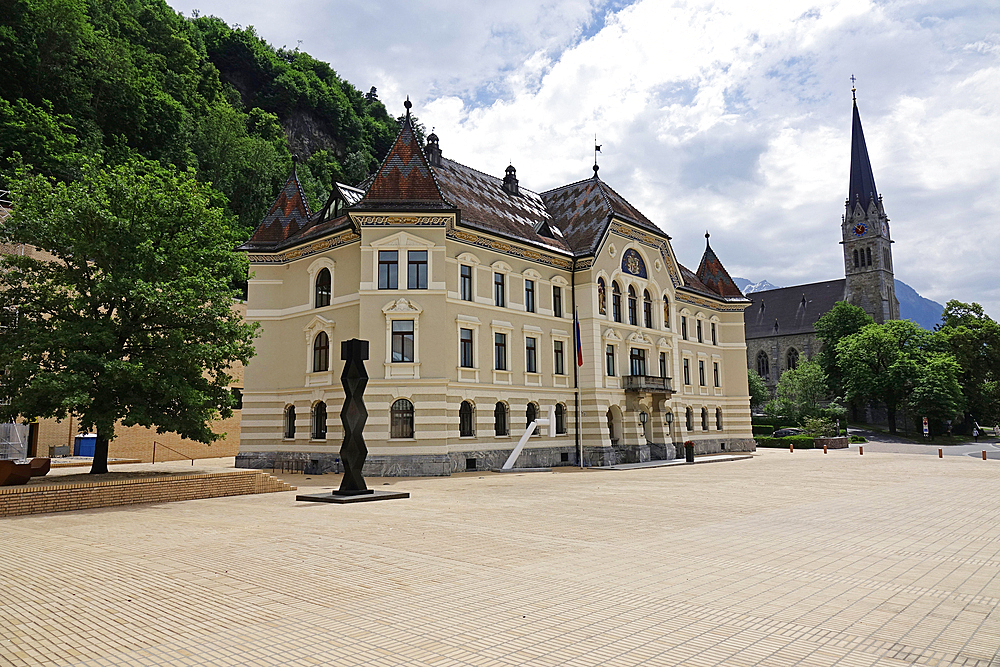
x=799, y=392
x=759, y=393
x=973, y=338
x=132, y=319
x=841, y=321
x=883, y=362
x=937, y=393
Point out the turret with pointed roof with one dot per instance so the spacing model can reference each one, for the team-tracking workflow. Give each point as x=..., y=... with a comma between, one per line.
x=713, y=274
x=288, y=214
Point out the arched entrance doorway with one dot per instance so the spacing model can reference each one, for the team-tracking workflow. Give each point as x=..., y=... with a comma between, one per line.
x=614, y=417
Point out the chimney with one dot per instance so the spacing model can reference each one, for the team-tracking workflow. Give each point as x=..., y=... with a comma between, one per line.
x=433, y=150
x=510, y=181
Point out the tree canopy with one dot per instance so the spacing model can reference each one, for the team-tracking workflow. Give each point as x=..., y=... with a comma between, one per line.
x=800, y=392
x=132, y=318
x=973, y=338
x=843, y=320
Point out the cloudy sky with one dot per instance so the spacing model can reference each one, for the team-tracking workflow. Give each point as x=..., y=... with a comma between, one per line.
x=731, y=116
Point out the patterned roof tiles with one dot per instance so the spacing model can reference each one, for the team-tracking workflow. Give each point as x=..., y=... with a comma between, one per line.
x=713, y=274
x=404, y=179
x=288, y=214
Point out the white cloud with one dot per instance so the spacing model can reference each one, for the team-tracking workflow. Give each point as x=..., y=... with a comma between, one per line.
x=730, y=116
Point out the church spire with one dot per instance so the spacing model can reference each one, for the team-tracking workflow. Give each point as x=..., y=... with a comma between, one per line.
x=862, y=187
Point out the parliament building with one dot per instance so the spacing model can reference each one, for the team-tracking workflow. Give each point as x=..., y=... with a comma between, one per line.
x=466, y=287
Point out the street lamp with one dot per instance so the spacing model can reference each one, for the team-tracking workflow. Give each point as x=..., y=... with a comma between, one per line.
x=642, y=418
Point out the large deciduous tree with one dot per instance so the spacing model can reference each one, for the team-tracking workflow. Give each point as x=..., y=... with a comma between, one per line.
x=758, y=390
x=841, y=321
x=799, y=392
x=974, y=339
x=131, y=321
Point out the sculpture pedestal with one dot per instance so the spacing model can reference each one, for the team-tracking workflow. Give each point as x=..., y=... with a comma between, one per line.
x=342, y=499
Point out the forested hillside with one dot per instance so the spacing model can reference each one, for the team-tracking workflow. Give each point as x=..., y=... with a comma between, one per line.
x=107, y=79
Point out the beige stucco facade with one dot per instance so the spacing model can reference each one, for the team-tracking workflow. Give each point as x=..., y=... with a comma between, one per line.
x=602, y=419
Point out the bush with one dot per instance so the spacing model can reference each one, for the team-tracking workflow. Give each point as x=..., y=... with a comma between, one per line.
x=776, y=422
x=763, y=430
x=858, y=440
x=800, y=442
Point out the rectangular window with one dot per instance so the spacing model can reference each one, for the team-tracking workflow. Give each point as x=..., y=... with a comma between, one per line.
x=529, y=295
x=402, y=341
x=609, y=357
x=687, y=371
x=530, y=356
x=557, y=356
x=387, y=269
x=699, y=332
x=416, y=274
x=715, y=371
x=465, y=282
x=684, y=327
x=557, y=301
x=637, y=361
x=465, y=348
x=715, y=338
x=500, y=351
x=663, y=364
x=499, y=293
x=701, y=373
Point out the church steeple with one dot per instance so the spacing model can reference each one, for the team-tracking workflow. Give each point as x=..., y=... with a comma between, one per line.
x=862, y=188
x=865, y=228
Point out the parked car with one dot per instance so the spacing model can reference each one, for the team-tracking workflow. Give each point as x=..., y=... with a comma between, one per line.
x=782, y=432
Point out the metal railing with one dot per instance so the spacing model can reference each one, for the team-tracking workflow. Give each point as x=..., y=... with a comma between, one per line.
x=155, y=443
x=648, y=383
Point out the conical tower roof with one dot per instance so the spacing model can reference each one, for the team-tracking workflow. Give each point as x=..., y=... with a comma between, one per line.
x=404, y=179
x=862, y=187
x=713, y=274
x=288, y=214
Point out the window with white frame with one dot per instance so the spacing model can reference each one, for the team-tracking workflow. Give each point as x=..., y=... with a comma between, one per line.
x=402, y=341
x=465, y=349
x=529, y=295
x=465, y=282
x=416, y=269
x=558, y=363
x=388, y=269
x=530, y=355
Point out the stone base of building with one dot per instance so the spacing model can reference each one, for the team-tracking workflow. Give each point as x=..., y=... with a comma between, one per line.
x=478, y=460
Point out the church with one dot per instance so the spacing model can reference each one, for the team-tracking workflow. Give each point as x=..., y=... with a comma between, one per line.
x=779, y=324
x=486, y=306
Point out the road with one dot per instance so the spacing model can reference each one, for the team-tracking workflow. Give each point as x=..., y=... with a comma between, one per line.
x=883, y=442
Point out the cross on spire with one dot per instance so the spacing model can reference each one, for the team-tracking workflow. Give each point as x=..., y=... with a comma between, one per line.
x=853, y=89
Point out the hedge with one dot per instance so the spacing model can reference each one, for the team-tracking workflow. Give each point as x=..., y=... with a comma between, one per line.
x=763, y=430
x=800, y=442
x=776, y=422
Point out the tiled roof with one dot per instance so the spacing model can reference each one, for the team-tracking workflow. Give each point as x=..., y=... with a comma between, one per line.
x=288, y=214
x=791, y=310
x=485, y=205
x=582, y=211
x=713, y=274
x=404, y=180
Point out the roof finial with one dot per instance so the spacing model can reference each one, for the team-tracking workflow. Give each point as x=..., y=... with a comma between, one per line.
x=597, y=149
x=295, y=161
x=407, y=104
x=853, y=89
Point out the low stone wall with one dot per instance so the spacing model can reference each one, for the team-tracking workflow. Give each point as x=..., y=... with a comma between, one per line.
x=832, y=443
x=21, y=500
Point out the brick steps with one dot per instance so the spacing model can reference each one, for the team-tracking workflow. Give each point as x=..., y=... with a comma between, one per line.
x=22, y=500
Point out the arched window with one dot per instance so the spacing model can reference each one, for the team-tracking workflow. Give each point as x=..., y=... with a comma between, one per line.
x=323, y=288
x=792, y=359
x=632, y=307
x=500, y=419
x=856, y=264
x=602, y=297
x=401, y=419
x=647, y=310
x=530, y=415
x=689, y=419
x=321, y=352
x=290, y=421
x=763, y=367
x=868, y=255
x=616, y=302
x=560, y=418
x=718, y=419
x=704, y=419
x=319, y=421
x=466, y=420
x=666, y=312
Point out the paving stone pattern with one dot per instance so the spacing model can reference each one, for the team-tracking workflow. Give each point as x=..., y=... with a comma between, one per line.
x=786, y=559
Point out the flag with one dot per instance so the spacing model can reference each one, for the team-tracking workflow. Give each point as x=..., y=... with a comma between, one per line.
x=579, y=343
x=597, y=148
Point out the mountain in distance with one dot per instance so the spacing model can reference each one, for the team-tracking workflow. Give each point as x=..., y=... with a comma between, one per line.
x=912, y=306
x=747, y=287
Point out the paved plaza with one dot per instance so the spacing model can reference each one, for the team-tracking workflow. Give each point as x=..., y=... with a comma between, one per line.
x=784, y=559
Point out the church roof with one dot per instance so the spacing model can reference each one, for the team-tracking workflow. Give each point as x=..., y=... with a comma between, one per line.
x=404, y=180
x=582, y=210
x=862, y=187
x=713, y=274
x=791, y=310
x=288, y=214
